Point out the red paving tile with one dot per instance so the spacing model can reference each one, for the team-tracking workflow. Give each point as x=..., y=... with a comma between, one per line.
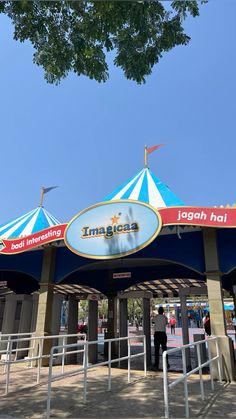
x=175, y=340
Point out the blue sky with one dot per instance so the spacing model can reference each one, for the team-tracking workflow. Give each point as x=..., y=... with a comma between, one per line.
x=88, y=138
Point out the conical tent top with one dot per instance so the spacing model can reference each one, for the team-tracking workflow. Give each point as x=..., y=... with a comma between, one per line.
x=146, y=187
x=30, y=223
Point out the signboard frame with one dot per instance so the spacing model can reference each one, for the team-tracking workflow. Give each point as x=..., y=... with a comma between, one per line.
x=121, y=254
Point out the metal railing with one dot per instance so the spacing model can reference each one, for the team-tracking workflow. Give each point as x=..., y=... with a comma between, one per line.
x=10, y=353
x=14, y=335
x=5, y=339
x=56, y=351
x=184, y=377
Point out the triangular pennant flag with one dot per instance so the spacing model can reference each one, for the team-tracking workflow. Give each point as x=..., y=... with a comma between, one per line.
x=153, y=148
x=45, y=190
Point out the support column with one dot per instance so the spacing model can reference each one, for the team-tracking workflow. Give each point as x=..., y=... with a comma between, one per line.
x=56, y=316
x=72, y=326
x=147, y=329
x=8, y=322
x=2, y=306
x=123, y=328
x=93, y=330
x=216, y=303
x=56, y=313
x=234, y=301
x=112, y=323
x=111, y=317
x=146, y=296
x=234, y=298
x=185, y=334
x=44, y=314
x=26, y=314
x=34, y=312
x=25, y=321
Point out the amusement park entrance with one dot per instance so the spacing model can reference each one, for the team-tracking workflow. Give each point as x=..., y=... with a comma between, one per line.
x=118, y=249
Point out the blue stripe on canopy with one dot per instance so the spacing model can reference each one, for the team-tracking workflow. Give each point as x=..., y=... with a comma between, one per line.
x=143, y=194
x=125, y=189
x=146, y=187
x=32, y=222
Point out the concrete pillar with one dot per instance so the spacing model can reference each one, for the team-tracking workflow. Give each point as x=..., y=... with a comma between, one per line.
x=34, y=312
x=123, y=327
x=146, y=296
x=45, y=303
x=56, y=316
x=185, y=334
x=72, y=315
x=56, y=313
x=25, y=322
x=234, y=298
x=72, y=326
x=112, y=316
x=26, y=313
x=93, y=330
x=112, y=323
x=17, y=317
x=216, y=303
x=147, y=329
x=8, y=323
x=2, y=306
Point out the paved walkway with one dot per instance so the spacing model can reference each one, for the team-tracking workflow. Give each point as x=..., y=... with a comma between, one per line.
x=143, y=398
x=176, y=339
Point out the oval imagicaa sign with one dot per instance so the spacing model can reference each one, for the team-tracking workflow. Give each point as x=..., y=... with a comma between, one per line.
x=112, y=229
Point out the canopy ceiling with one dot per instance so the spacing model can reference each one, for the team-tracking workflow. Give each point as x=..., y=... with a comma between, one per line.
x=159, y=288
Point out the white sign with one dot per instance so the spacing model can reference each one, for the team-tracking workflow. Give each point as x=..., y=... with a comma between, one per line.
x=113, y=229
x=122, y=275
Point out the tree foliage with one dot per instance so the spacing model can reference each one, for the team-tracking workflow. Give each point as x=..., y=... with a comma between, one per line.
x=77, y=35
x=135, y=309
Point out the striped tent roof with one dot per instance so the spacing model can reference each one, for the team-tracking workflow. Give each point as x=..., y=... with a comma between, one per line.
x=146, y=187
x=32, y=222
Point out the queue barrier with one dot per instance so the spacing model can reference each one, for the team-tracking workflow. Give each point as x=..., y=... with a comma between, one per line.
x=184, y=377
x=5, y=339
x=8, y=355
x=83, y=347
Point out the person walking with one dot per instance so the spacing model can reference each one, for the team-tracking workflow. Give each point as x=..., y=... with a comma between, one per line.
x=207, y=325
x=172, y=325
x=203, y=320
x=160, y=336
x=197, y=317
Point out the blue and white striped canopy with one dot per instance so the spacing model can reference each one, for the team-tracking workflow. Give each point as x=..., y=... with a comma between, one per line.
x=27, y=224
x=146, y=187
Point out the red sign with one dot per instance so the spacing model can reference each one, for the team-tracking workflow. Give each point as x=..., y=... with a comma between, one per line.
x=202, y=216
x=23, y=244
x=122, y=275
x=94, y=297
x=196, y=216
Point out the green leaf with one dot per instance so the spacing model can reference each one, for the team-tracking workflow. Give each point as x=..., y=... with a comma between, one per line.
x=74, y=36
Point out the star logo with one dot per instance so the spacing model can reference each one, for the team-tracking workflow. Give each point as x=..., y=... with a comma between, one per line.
x=114, y=219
